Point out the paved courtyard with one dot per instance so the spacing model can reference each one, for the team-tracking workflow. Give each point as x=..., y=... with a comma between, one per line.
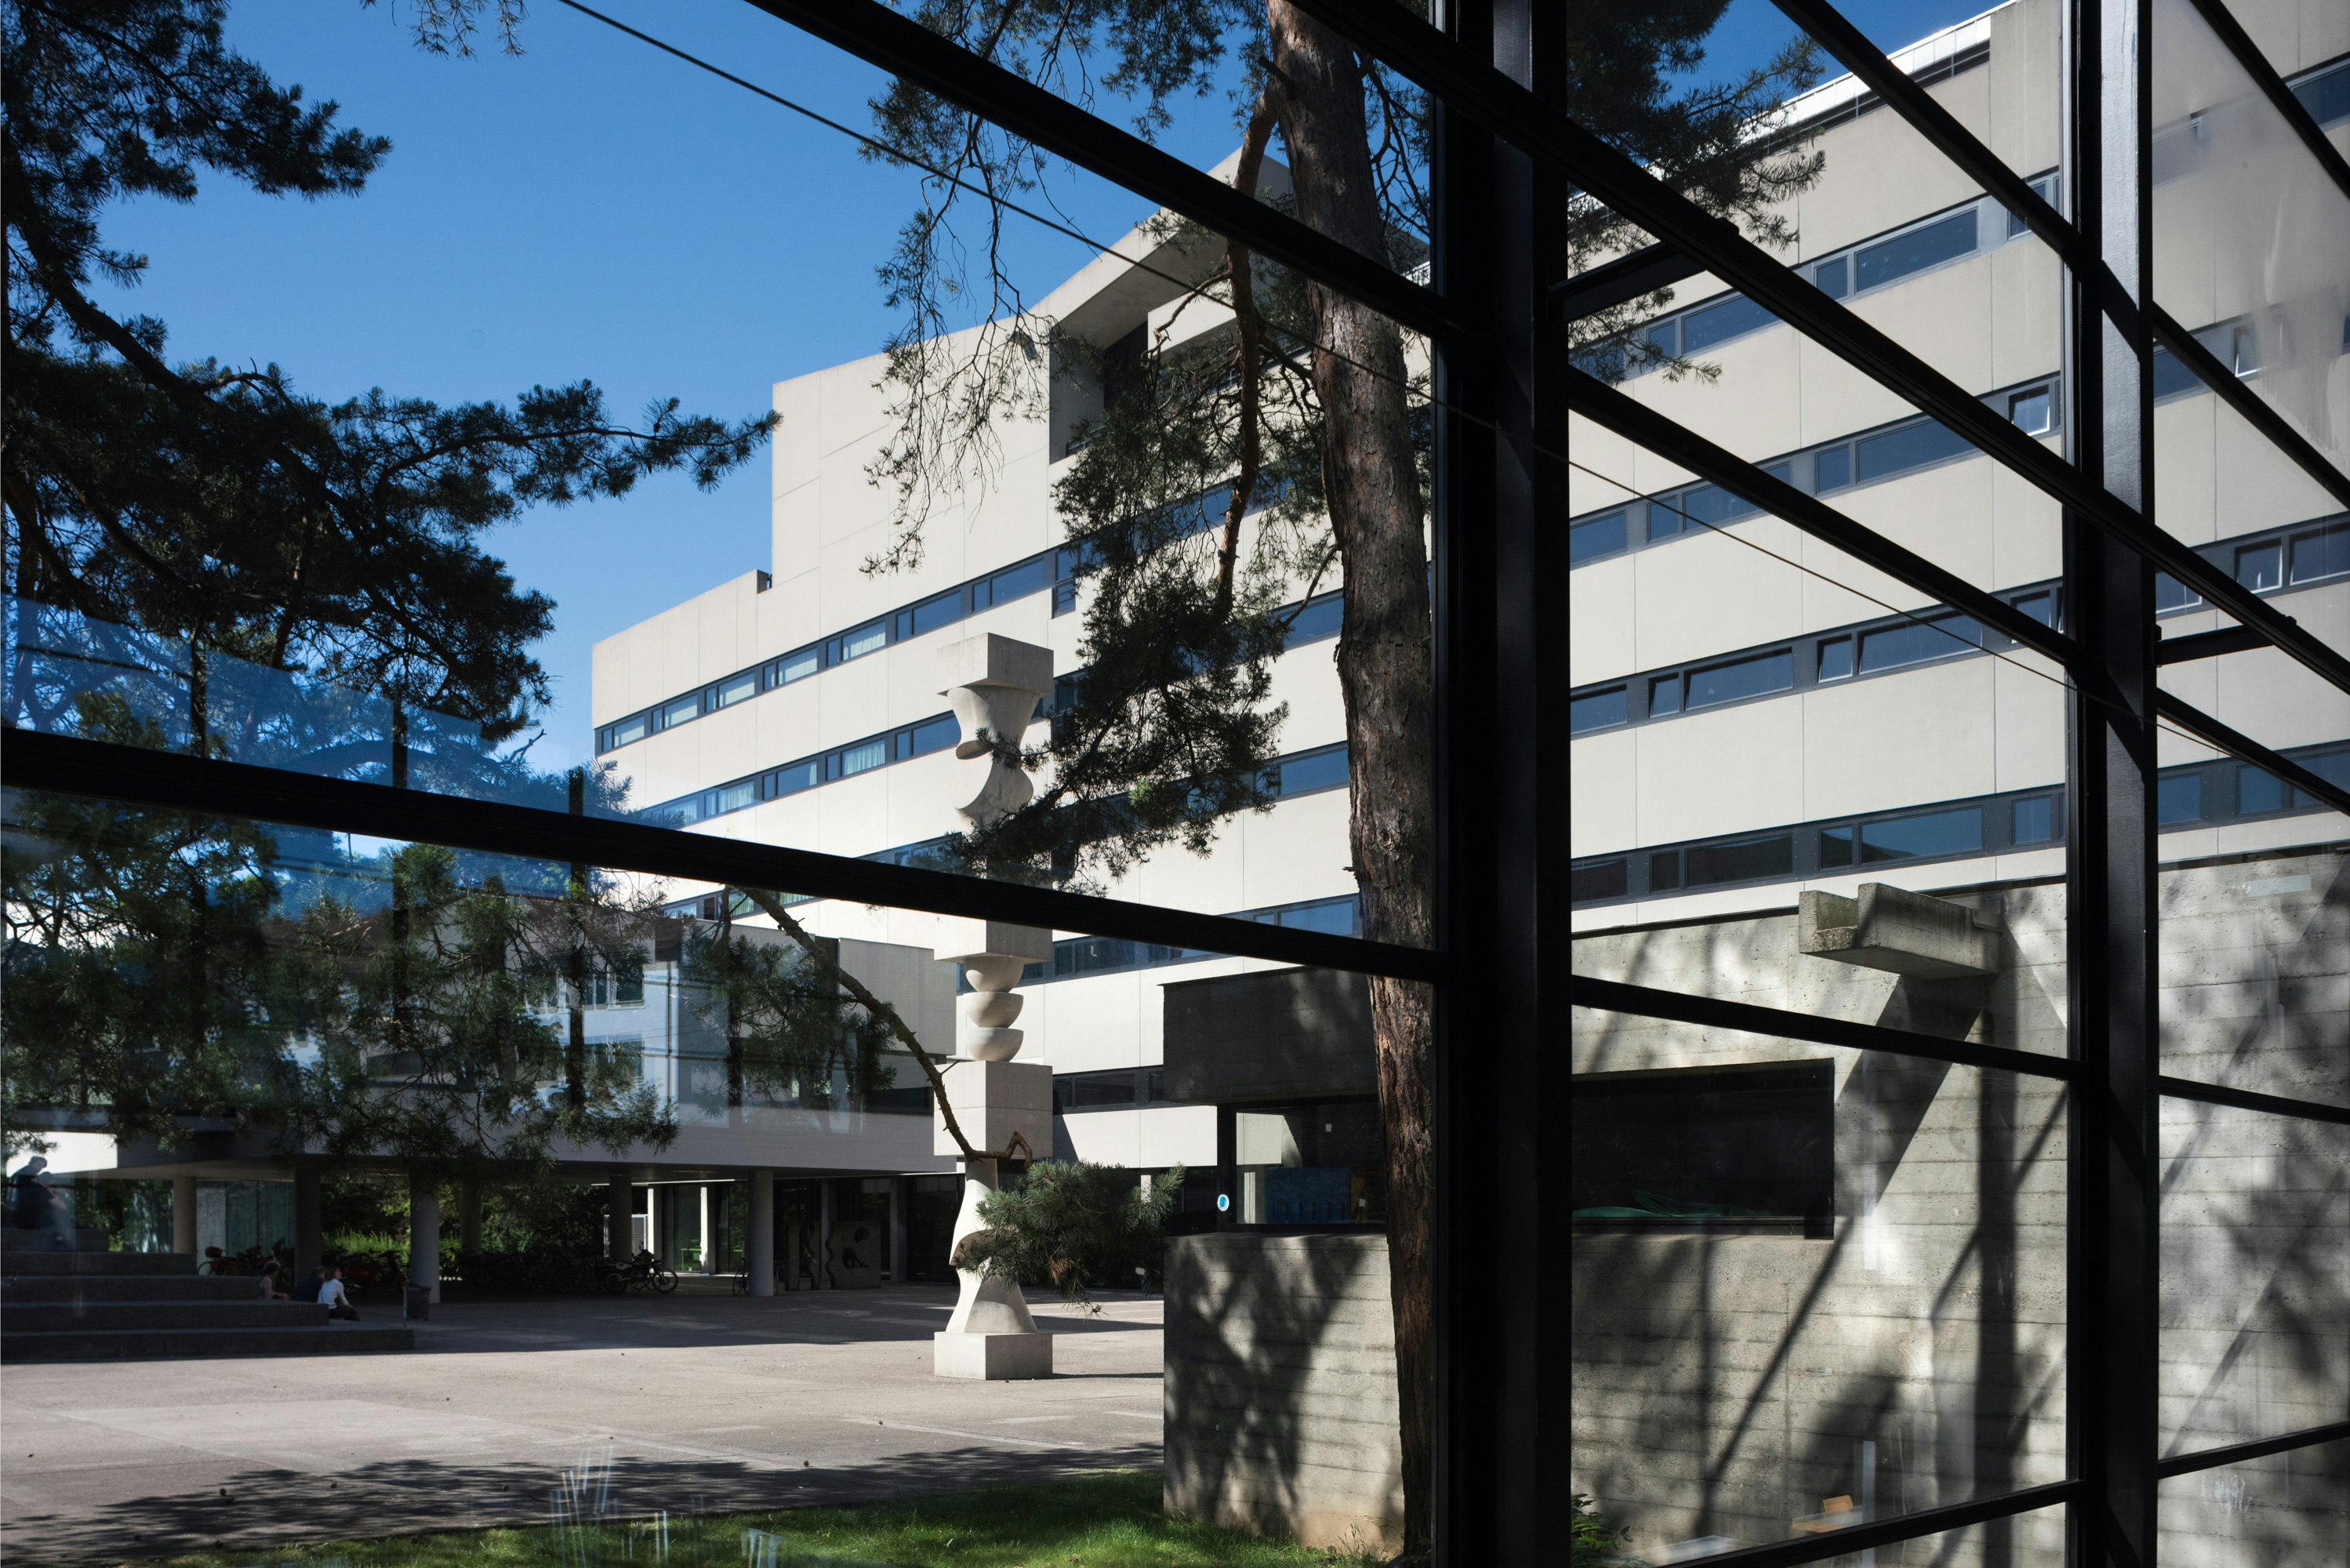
x=694, y=1402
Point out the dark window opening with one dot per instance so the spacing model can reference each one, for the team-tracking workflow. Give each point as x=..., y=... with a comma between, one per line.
x=1747, y=1148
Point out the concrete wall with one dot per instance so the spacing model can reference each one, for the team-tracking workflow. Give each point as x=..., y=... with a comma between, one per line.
x=1281, y=1396
x=1729, y=1385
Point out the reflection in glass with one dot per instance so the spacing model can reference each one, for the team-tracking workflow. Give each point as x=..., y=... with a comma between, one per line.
x=2255, y=1274
x=1813, y=1287
x=2292, y=1507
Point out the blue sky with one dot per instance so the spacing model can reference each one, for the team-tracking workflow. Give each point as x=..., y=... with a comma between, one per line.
x=595, y=209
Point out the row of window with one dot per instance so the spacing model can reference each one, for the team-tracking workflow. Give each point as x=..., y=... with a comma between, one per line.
x=1119, y=1089
x=1057, y=569
x=1888, y=452
x=2271, y=561
x=1312, y=620
x=1880, y=263
x=1868, y=458
x=1080, y=956
x=2181, y=148
x=2197, y=795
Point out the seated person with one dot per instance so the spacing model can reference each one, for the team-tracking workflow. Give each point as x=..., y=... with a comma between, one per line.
x=273, y=1275
x=307, y=1290
x=336, y=1300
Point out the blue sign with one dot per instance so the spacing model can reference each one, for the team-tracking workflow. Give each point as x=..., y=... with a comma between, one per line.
x=1223, y=1201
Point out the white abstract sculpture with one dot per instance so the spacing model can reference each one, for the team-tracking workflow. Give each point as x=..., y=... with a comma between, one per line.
x=994, y=685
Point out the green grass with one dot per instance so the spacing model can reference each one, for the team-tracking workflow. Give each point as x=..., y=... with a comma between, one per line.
x=1108, y=1519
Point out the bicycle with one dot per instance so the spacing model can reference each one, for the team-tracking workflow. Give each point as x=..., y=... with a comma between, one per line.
x=642, y=1272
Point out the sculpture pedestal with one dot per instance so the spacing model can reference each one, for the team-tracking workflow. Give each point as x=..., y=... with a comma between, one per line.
x=991, y=1336
x=992, y=1357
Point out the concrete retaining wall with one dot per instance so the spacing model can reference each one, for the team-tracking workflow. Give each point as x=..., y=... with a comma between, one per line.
x=1281, y=1393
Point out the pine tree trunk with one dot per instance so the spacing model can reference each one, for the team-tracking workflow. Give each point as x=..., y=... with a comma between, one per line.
x=1384, y=669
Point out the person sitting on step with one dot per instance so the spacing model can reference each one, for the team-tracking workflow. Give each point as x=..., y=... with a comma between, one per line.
x=331, y=1295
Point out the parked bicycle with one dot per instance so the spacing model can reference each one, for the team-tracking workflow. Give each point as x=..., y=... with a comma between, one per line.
x=643, y=1272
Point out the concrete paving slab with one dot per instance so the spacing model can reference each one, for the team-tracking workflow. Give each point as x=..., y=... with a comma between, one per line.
x=693, y=1402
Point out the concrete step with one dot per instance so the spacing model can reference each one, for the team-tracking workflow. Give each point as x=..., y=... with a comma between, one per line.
x=143, y=1345
x=46, y=1265
x=55, y=1316
x=38, y=1288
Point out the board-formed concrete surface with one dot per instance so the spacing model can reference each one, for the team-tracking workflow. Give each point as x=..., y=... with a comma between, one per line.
x=695, y=1401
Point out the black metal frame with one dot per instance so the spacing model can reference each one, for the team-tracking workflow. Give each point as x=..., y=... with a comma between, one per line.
x=1502, y=160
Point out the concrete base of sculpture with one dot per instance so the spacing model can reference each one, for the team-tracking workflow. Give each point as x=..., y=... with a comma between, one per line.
x=992, y=1357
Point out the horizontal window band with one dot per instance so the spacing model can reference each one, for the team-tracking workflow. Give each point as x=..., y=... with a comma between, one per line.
x=2307, y=555
x=133, y=775
x=1747, y=1018
x=1056, y=570
x=2190, y=796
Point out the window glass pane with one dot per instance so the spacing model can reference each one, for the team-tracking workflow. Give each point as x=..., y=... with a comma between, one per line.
x=1832, y=467
x=1911, y=446
x=1774, y=856
x=682, y=711
x=632, y=729
x=1713, y=324
x=865, y=640
x=2256, y=1275
x=2324, y=553
x=2179, y=798
x=1758, y=1225
x=2034, y=412
x=1665, y=695
x=1835, y=659
x=2170, y=593
x=2172, y=376
x=1835, y=846
x=2041, y=607
x=933, y=613
x=1831, y=278
x=935, y=735
x=1665, y=337
x=1598, y=537
x=1764, y=672
x=2326, y=96
x=1325, y=769
x=2261, y=567
x=795, y=777
x=1941, y=832
x=1030, y=577
x=1711, y=504
x=2257, y=791
x=736, y=796
x=2292, y=1507
x=735, y=688
x=1596, y=710
x=1318, y=618
x=797, y=666
x=1605, y=879
x=1913, y=642
x=1664, y=871
x=1664, y=517
x=1914, y=252
x=2035, y=820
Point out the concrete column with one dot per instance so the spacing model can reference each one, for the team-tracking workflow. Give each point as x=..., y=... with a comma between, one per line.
x=897, y=1230
x=759, y=1246
x=823, y=1234
x=469, y=1214
x=709, y=1231
x=310, y=1220
x=618, y=1232
x=424, y=1232
x=184, y=1216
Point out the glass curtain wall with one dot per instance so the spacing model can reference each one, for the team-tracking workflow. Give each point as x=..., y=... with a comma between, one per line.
x=1857, y=912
